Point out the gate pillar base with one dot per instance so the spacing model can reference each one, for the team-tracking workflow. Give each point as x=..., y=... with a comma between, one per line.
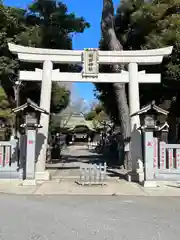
x=150, y=184
x=43, y=176
x=28, y=182
x=135, y=177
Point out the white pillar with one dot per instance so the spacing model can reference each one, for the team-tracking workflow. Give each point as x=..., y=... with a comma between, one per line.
x=134, y=106
x=45, y=102
x=134, y=101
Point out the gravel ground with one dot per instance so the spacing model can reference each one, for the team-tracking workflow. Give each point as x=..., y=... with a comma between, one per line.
x=88, y=217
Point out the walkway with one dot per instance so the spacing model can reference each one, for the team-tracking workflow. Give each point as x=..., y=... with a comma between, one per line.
x=91, y=218
x=72, y=157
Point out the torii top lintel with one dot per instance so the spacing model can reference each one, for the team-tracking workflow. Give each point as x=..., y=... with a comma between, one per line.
x=143, y=57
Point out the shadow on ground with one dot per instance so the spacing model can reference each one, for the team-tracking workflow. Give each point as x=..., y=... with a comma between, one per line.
x=70, y=159
x=91, y=159
x=63, y=164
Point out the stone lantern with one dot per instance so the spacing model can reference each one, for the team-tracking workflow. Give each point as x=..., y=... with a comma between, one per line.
x=31, y=112
x=148, y=116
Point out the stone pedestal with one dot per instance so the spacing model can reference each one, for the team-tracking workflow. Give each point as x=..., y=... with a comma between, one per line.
x=28, y=182
x=42, y=176
x=135, y=177
x=138, y=175
x=150, y=184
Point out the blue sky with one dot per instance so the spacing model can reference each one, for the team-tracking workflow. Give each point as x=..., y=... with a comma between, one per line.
x=91, y=11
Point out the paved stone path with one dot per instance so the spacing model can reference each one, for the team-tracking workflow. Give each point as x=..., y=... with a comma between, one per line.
x=72, y=157
x=88, y=218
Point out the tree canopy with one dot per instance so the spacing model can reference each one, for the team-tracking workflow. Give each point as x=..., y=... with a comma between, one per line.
x=45, y=24
x=148, y=25
x=94, y=111
x=98, y=116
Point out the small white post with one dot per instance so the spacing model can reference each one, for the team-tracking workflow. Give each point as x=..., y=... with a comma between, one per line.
x=45, y=102
x=134, y=106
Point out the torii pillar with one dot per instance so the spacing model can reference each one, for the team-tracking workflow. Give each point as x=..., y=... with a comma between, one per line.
x=45, y=101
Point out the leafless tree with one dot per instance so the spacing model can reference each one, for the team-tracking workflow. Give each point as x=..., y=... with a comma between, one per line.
x=76, y=107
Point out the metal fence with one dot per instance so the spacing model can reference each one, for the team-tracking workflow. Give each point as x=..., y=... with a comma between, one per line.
x=92, y=145
x=93, y=174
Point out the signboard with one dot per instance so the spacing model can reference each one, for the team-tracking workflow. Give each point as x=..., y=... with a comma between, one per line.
x=90, y=63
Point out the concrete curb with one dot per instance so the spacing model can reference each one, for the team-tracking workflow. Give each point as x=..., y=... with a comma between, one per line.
x=118, y=187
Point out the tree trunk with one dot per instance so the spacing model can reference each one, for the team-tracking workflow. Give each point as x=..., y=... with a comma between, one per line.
x=109, y=36
x=172, y=121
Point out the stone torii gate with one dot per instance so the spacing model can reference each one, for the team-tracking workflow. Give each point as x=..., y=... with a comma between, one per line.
x=90, y=60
